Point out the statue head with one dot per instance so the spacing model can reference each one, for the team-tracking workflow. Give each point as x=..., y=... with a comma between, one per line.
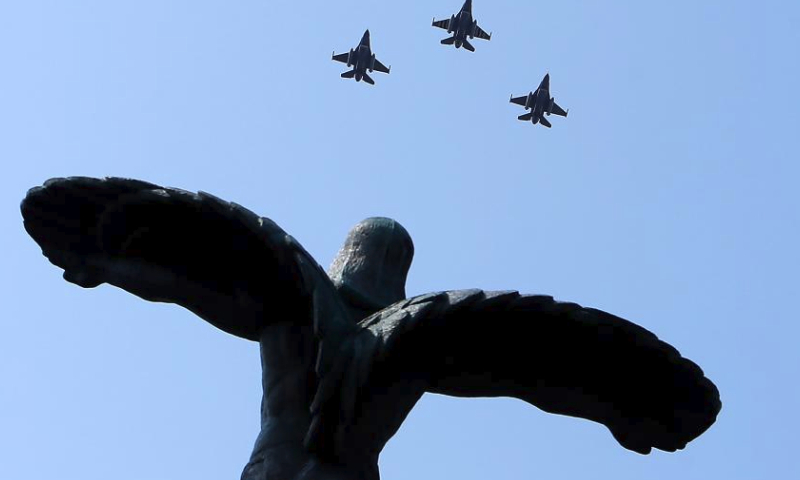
x=371, y=267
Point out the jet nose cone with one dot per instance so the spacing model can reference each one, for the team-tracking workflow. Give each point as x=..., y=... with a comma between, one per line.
x=546, y=82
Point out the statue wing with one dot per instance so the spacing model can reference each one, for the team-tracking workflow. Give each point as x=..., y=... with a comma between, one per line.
x=215, y=258
x=559, y=357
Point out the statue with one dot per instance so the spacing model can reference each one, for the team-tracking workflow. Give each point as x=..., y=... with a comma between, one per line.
x=345, y=354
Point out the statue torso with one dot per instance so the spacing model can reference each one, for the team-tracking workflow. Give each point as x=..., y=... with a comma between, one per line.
x=288, y=353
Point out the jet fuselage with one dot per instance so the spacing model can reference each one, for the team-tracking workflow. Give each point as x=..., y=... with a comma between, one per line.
x=537, y=103
x=362, y=59
x=462, y=25
x=540, y=102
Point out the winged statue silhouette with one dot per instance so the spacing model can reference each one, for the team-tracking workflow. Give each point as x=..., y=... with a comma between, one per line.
x=345, y=355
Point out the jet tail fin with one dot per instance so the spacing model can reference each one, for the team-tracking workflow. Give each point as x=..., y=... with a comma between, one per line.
x=449, y=41
x=468, y=45
x=368, y=79
x=350, y=74
x=526, y=117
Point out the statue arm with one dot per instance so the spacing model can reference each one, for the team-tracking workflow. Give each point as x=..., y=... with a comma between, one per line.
x=215, y=258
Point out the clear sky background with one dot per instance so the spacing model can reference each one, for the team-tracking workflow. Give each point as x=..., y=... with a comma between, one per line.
x=669, y=197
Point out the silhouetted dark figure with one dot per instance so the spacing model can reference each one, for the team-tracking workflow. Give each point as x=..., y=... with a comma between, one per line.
x=540, y=103
x=345, y=355
x=361, y=59
x=463, y=27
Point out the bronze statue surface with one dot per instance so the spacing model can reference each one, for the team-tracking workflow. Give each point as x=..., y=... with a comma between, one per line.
x=345, y=355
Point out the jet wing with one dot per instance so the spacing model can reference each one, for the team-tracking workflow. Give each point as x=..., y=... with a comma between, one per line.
x=556, y=110
x=342, y=57
x=379, y=67
x=445, y=24
x=519, y=100
x=479, y=33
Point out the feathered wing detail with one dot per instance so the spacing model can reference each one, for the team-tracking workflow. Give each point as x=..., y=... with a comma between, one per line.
x=560, y=357
x=224, y=263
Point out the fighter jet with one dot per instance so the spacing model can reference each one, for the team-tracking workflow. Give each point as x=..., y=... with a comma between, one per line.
x=539, y=103
x=361, y=59
x=462, y=25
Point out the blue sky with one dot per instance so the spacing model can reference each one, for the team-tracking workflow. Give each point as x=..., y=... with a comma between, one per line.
x=669, y=197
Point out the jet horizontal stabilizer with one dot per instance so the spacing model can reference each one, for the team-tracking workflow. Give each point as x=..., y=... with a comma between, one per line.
x=449, y=41
x=468, y=46
x=525, y=117
x=350, y=74
x=368, y=79
x=545, y=122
